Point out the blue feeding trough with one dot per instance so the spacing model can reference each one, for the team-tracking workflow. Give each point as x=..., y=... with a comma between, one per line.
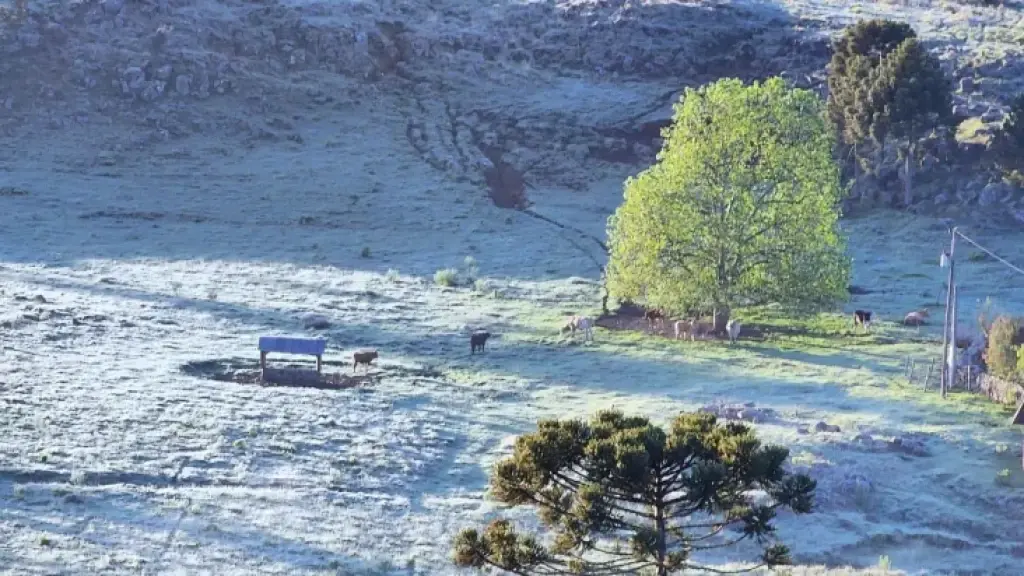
x=288, y=345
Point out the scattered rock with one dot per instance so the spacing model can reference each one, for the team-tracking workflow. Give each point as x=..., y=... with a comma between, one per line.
x=744, y=412
x=106, y=158
x=164, y=72
x=910, y=446
x=183, y=84
x=989, y=195
x=112, y=7
x=39, y=298
x=967, y=85
x=315, y=322
x=857, y=484
x=823, y=427
x=992, y=115
x=133, y=80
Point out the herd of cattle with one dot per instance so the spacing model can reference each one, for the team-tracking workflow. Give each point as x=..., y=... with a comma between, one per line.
x=693, y=330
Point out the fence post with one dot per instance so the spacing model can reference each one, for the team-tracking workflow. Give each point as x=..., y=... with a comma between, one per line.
x=929, y=376
x=910, y=378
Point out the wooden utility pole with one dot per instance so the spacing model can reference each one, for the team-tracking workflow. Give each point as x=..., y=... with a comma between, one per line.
x=949, y=325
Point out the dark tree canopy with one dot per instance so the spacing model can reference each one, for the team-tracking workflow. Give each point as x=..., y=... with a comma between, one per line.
x=1009, y=141
x=621, y=495
x=885, y=87
x=856, y=54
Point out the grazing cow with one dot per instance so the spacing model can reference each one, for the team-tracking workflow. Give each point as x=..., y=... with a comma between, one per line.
x=732, y=328
x=700, y=330
x=570, y=325
x=862, y=318
x=585, y=324
x=478, y=340
x=681, y=328
x=363, y=357
x=653, y=317
x=916, y=318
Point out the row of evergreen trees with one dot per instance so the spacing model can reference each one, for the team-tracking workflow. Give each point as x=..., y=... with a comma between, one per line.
x=886, y=92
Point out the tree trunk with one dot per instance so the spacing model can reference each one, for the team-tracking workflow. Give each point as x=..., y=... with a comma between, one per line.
x=908, y=177
x=604, y=297
x=721, y=318
x=662, y=544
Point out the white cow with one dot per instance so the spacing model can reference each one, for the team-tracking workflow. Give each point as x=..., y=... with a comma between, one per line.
x=681, y=327
x=583, y=323
x=733, y=328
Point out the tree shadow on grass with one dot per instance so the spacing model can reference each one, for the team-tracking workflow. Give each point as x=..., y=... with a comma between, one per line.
x=834, y=360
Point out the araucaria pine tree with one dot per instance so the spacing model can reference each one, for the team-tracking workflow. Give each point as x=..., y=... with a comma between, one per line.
x=623, y=496
x=885, y=88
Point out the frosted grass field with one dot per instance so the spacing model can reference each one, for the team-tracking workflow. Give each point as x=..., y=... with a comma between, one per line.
x=115, y=461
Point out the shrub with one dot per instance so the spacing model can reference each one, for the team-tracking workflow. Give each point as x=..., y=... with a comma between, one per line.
x=365, y=253
x=1020, y=362
x=1001, y=355
x=446, y=277
x=985, y=316
x=470, y=269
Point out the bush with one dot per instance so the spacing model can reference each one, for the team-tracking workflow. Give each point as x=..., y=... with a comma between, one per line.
x=470, y=269
x=446, y=277
x=1020, y=362
x=1001, y=356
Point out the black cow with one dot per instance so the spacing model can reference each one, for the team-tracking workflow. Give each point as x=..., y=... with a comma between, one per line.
x=862, y=318
x=478, y=341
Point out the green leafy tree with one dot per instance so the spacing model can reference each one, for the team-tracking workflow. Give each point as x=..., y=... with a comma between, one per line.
x=623, y=496
x=741, y=208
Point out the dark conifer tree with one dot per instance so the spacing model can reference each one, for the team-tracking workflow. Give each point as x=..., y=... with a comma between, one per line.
x=623, y=496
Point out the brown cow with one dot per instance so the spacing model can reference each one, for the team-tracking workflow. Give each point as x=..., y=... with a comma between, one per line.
x=364, y=357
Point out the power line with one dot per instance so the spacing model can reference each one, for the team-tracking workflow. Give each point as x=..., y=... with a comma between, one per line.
x=992, y=254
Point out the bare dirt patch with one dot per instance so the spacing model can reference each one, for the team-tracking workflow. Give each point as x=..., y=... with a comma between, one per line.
x=293, y=375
